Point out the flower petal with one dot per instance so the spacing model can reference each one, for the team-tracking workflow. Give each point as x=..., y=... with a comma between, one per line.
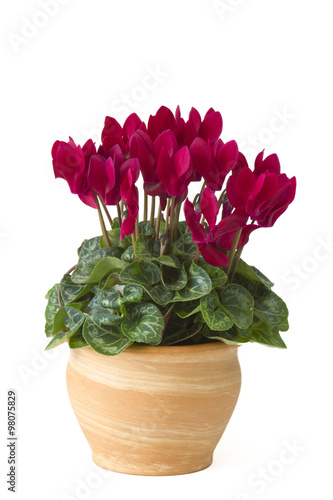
x=198, y=232
x=209, y=207
x=211, y=127
x=212, y=255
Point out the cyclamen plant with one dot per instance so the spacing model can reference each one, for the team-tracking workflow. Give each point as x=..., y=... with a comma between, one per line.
x=162, y=281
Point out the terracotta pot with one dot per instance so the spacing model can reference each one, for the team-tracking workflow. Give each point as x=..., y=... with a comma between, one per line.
x=154, y=410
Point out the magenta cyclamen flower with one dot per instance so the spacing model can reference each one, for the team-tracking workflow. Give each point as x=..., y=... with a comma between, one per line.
x=213, y=161
x=129, y=193
x=207, y=242
x=113, y=133
x=262, y=195
x=70, y=162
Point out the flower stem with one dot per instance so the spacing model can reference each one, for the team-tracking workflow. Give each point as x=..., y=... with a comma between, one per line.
x=137, y=229
x=202, y=188
x=119, y=214
x=221, y=199
x=172, y=220
x=145, y=206
x=102, y=223
x=178, y=207
x=233, y=249
x=196, y=257
x=152, y=211
x=167, y=215
x=158, y=222
x=239, y=253
x=106, y=213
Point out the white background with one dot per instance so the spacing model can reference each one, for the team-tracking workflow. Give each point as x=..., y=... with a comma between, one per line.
x=253, y=60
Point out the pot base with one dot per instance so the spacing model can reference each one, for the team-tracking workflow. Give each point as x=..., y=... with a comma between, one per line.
x=149, y=470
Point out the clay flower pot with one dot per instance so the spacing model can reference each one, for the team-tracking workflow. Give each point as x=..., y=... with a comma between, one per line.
x=154, y=410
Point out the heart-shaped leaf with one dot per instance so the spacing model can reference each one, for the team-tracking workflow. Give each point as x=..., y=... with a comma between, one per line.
x=51, y=309
x=174, y=279
x=271, y=306
x=104, y=337
x=217, y=275
x=186, y=309
x=239, y=304
x=266, y=334
x=71, y=321
x=128, y=255
x=97, y=265
x=71, y=291
x=198, y=284
x=252, y=274
x=168, y=261
x=89, y=246
x=141, y=273
x=213, y=313
x=143, y=323
x=184, y=247
x=142, y=250
x=77, y=341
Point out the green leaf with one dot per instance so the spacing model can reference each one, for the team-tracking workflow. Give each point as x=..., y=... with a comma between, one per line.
x=284, y=327
x=128, y=255
x=77, y=341
x=89, y=246
x=71, y=321
x=72, y=291
x=61, y=316
x=271, y=306
x=143, y=323
x=266, y=334
x=141, y=273
x=186, y=309
x=174, y=279
x=146, y=229
x=51, y=309
x=214, y=314
x=115, y=241
x=142, y=250
x=238, y=303
x=111, y=280
x=233, y=336
x=184, y=247
x=252, y=274
x=198, y=284
x=159, y=293
x=98, y=264
x=168, y=260
x=104, y=337
x=217, y=275
x=178, y=330
x=113, y=299
x=182, y=226
x=109, y=298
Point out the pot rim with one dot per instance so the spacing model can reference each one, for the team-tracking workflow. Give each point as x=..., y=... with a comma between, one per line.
x=167, y=349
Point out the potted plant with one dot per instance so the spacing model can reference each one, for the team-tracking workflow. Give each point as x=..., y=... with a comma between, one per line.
x=156, y=307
